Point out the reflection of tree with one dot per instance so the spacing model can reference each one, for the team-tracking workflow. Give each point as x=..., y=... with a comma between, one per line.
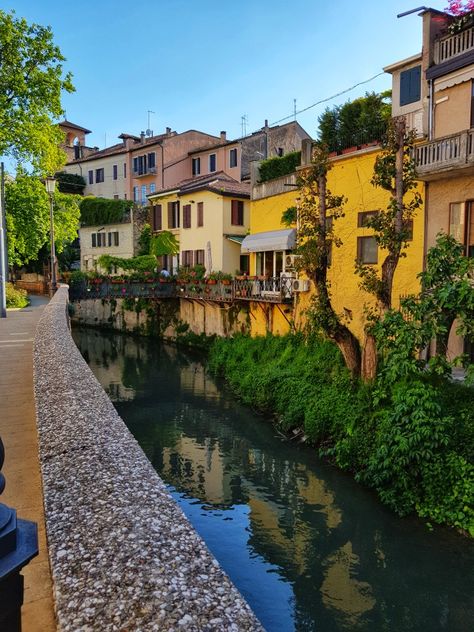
x=352, y=565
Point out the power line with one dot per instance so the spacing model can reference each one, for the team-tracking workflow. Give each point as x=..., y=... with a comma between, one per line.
x=328, y=98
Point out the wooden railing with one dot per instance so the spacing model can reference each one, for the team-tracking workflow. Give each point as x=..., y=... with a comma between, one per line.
x=451, y=46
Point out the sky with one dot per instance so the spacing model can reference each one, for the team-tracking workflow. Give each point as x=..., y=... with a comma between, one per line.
x=203, y=64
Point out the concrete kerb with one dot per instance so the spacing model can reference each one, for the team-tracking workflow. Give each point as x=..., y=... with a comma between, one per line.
x=122, y=553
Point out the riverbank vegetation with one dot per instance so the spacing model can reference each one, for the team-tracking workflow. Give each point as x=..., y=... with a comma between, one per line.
x=409, y=437
x=15, y=297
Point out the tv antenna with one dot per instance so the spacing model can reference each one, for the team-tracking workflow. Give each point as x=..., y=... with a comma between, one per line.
x=149, y=132
x=244, y=120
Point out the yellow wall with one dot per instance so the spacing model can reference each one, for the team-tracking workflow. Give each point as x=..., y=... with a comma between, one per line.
x=350, y=176
x=217, y=223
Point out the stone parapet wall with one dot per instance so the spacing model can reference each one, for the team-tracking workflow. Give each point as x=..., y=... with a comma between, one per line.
x=122, y=553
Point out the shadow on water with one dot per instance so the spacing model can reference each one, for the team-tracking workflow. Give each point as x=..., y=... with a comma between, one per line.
x=308, y=547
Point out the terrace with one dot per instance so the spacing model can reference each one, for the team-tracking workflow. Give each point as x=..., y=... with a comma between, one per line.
x=443, y=155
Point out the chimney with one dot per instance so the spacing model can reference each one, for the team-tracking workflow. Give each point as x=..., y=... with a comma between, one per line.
x=142, y=137
x=266, y=124
x=168, y=131
x=224, y=135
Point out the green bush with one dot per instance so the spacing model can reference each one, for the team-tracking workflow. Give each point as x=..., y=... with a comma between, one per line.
x=413, y=442
x=15, y=296
x=279, y=166
x=95, y=211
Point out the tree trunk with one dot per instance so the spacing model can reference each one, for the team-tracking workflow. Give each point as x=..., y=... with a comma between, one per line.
x=369, y=359
x=349, y=347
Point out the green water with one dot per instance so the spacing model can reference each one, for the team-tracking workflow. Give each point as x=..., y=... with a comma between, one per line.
x=308, y=547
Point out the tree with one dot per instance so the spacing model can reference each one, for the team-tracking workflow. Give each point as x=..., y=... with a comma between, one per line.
x=317, y=212
x=28, y=223
x=356, y=122
x=70, y=183
x=395, y=172
x=31, y=81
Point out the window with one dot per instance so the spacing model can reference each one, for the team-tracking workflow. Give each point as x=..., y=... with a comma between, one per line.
x=143, y=196
x=367, y=250
x=244, y=264
x=364, y=217
x=124, y=169
x=410, y=85
x=196, y=162
x=187, y=258
x=212, y=162
x=135, y=194
x=115, y=172
x=187, y=216
x=173, y=214
x=152, y=187
x=269, y=263
x=461, y=224
x=199, y=257
x=233, y=158
x=140, y=165
x=91, y=177
x=408, y=226
x=237, y=213
x=116, y=196
x=99, y=175
x=200, y=213
x=151, y=160
x=113, y=238
x=157, y=218
x=98, y=240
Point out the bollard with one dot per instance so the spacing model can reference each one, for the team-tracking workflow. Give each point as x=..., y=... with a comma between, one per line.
x=18, y=545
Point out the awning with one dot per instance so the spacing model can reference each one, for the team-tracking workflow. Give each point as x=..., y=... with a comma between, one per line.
x=237, y=239
x=271, y=240
x=459, y=76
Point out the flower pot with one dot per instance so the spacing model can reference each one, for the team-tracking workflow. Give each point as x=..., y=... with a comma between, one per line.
x=226, y=282
x=211, y=282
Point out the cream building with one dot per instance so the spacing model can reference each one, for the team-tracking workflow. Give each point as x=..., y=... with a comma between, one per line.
x=210, y=216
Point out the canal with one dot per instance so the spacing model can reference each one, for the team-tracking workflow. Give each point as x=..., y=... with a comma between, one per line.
x=308, y=547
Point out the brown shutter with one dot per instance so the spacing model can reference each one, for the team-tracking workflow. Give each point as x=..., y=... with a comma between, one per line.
x=170, y=215
x=200, y=211
x=234, y=212
x=187, y=216
x=240, y=213
x=157, y=221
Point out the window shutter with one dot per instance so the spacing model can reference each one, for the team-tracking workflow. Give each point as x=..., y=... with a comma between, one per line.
x=240, y=213
x=157, y=222
x=94, y=240
x=170, y=215
x=415, y=84
x=234, y=212
x=200, y=213
x=187, y=216
x=109, y=238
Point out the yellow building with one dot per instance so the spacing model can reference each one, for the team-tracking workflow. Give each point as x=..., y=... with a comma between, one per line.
x=349, y=176
x=210, y=217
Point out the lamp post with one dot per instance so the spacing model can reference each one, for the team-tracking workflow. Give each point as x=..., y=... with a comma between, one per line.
x=50, y=184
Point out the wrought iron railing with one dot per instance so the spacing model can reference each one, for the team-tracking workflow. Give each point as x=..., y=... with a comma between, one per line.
x=272, y=290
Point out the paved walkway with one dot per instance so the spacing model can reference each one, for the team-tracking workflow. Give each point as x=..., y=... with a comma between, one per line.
x=23, y=489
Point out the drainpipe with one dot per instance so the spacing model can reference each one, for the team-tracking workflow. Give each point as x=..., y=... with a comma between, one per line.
x=430, y=110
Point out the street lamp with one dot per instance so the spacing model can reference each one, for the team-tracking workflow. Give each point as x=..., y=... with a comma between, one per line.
x=50, y=184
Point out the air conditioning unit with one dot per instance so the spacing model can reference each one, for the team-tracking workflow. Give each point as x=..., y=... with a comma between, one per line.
x=290, y=260
x=300, y=285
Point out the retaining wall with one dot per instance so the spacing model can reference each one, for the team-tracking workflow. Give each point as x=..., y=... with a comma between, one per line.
x=122, y=553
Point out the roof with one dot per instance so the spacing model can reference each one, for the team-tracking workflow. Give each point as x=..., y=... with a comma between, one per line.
x=119, y=148
x=404, y=62
x=66, y=123
x=218, y=182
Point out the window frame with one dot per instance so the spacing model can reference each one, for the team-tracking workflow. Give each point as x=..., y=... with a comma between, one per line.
x=99, y=175
x=196, y=166
x=410, y=92
x=214, y=158
x=233, y=158
x=360, y=241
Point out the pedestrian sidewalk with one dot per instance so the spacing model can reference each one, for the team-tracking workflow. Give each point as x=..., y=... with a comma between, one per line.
x=23, y=489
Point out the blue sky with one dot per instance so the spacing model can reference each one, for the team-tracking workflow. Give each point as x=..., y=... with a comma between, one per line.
x=203, y=64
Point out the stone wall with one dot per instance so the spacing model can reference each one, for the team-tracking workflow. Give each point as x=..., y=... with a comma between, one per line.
x=163, y=317
x=123, y=555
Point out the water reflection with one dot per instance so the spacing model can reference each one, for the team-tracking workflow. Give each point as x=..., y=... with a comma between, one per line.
x=309, y=548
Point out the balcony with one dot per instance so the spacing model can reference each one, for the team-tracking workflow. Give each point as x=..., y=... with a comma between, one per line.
x=441, y=157
x=452, y=46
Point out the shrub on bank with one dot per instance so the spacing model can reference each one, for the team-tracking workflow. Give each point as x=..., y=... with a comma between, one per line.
x=16, y=297
x=412, y=442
